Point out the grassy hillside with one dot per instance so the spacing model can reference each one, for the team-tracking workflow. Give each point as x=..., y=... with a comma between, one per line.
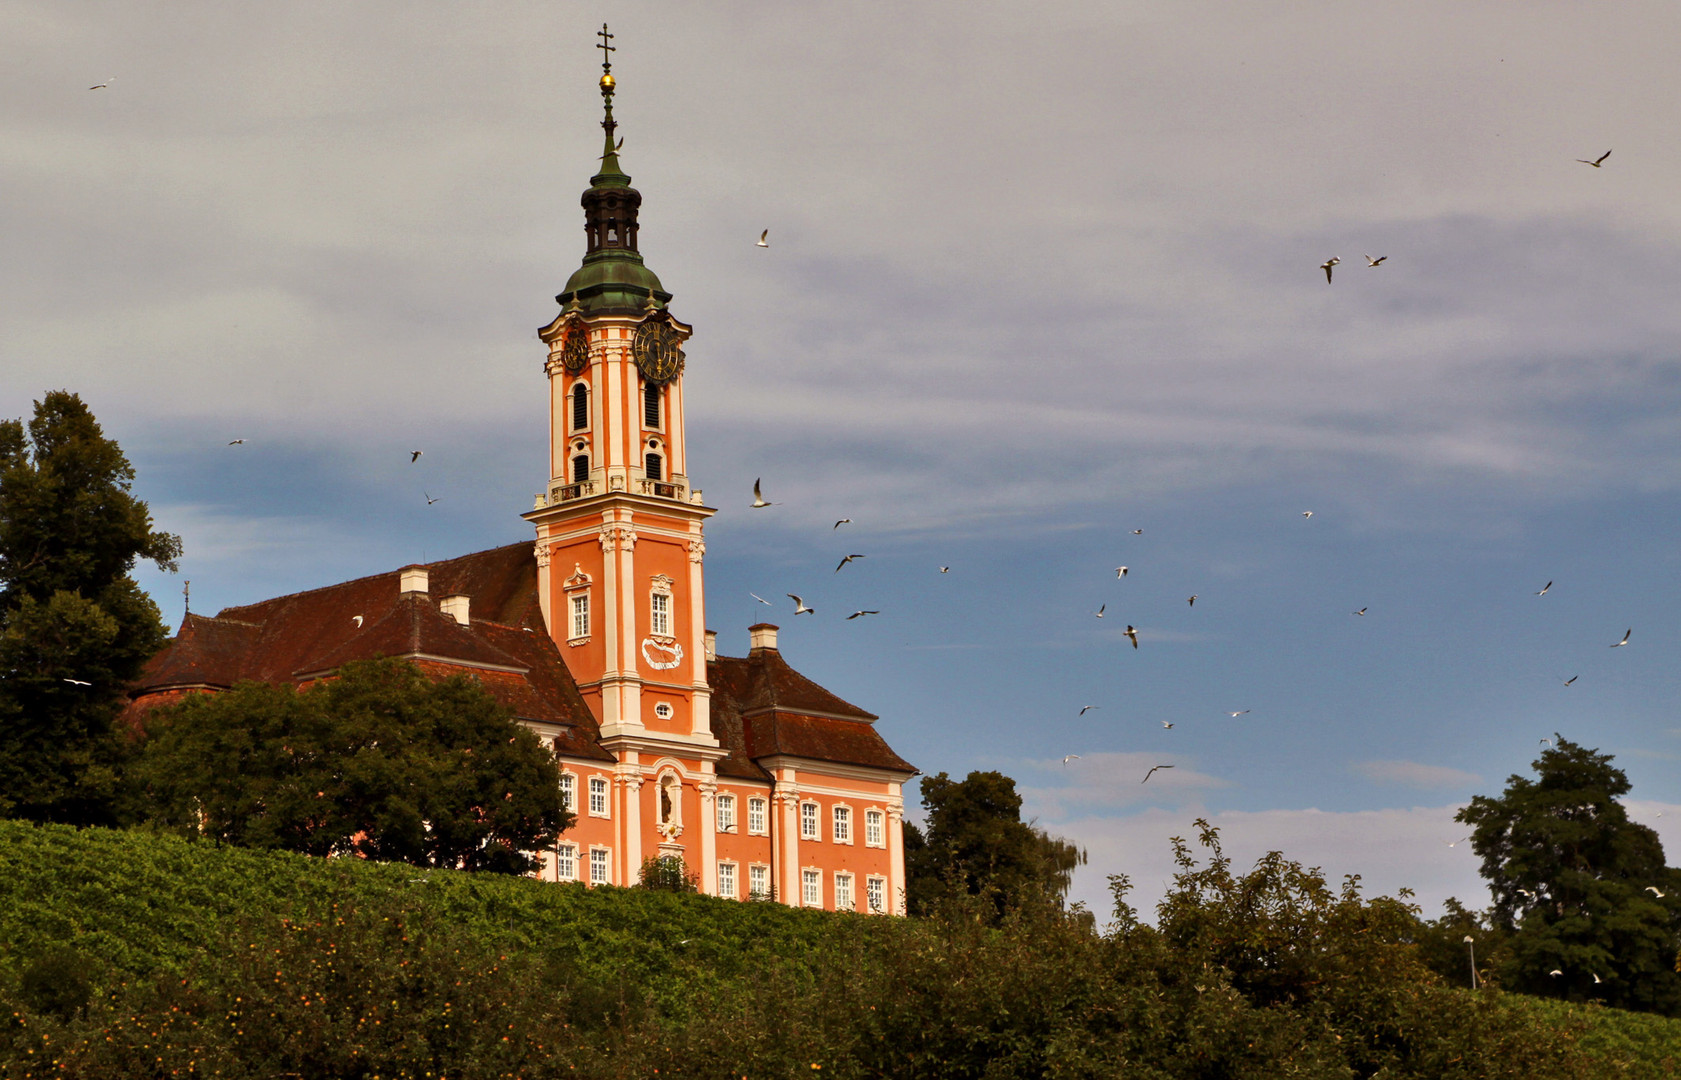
x=200, y=960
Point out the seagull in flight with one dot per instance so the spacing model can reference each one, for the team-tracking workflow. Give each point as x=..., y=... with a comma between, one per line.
x=1100, y=611
x=760, y=599
x=1235, y=715
x=945, y=569
x=799, y=606
x=842, y=521
x=1546, y=742
x=357, y=619
x=1623, y=642
x=1152, y=772
x=1070, y=757
x=414, y=456
x=764, y=239
x=429, y=499
x=1657, y=892
x=1138, y=532
x=1544, y=589
x=1572, y=679
x=1120, y=572
x=1191, y=600
x=759, y=502
x=1555, y=971
x=1362, y=611
x=846, y=560
x=1527, y=893
x=1087, y=708
x=1133, y=634
x=1370, y=262
x=620, y=145
x=855, y=614
x=80, y=682
x=1326, y=266
x=1307, y=513
x=1596, y=163
x=1596, y=977
x=103, y=85
x=1166, y=726
x=237, y=442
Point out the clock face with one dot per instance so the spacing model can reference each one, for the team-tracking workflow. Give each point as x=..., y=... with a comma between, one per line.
x=575, y=354
x=658, y=351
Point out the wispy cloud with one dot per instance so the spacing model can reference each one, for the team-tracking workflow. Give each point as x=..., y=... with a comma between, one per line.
x=1414, y=774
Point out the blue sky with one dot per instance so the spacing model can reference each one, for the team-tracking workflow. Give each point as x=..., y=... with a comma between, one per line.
x=1036, y=279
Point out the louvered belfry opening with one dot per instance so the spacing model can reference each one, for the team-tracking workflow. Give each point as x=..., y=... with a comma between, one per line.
x=581, y=469
x=653, y=465
x=650, y=405
x=580, y=407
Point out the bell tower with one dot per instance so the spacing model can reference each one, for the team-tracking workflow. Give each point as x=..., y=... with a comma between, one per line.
x=620, y=541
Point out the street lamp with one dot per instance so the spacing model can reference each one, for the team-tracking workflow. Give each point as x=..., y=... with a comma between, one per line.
x=1473, y=946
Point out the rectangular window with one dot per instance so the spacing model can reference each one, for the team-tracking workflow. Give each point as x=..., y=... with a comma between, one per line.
x=875, y=828
x=726, y=880
x=661, y=622
x=580, y=407
x=726, y=813
x=650, y=405
x=566, y=862
x=843, y=825
x=581, y=615
x=843, y=893
x=569, y=792
x=758, y=882
x=812, y=882
x=756, y=817
x=808, y=821
x=598, y=796
x=875, y=891
x=598, y=866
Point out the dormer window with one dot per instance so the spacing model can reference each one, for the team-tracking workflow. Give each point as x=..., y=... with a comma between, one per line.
x=651, y=405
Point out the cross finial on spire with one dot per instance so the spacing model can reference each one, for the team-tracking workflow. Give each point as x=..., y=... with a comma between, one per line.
x=606, y=50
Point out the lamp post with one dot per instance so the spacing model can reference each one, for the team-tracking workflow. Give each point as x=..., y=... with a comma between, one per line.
x=1473, y=945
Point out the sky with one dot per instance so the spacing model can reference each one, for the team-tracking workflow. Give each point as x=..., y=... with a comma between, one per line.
x=1039, y=276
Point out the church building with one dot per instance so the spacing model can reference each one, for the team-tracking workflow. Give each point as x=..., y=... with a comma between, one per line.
x=765, y=784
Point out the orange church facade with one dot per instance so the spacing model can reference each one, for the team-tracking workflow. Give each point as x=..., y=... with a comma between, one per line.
x=763, y=783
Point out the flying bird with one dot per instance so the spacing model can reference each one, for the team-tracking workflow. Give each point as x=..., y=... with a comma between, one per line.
x=1152, y=772
x=1544, y=589
x=1133, y=634
x=846, y=560
x=1546, y=742
x=1166, y=726
x=1326, y=266
x=103, y=85
x=79, y=682
x=1596, y=163
x=1120, y=572
x=855, y=614
x=764, y=239
x=758, y=499
x=1377, y=261
x=1657, y=892
x=1527, y=893
x=842, y=521
x=1192, y=600
x=1070, y=757
x=1572, y=679
x=414, y=456
x=429, y=499
x=799, y=606
x=357, y=619
x=1138, y=532
x=1362, y=611
x=620, y=145
x=1307, y=513
x=1100, y=611
x=1596, y=977
x=1555, y=971
x=1623, y=642
x=1234, y=715
x=237, y=442
x=945, y=569
x=1087, y=708
x=759, y=598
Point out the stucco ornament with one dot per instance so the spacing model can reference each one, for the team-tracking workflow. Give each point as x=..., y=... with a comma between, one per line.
x=671, y=648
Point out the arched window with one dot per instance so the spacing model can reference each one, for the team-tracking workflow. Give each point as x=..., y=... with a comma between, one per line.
x=580, y=407
x=650, y=405
x=653, y=465
x=581, y=469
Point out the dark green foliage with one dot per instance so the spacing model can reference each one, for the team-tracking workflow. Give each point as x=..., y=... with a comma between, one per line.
x=380, y=762
x=58, y=982
x=1572, y=878
x=70, y=532
x=666, y=873
x=978, y=845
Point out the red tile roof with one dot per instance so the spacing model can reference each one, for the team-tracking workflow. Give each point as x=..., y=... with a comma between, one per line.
x=760, y=705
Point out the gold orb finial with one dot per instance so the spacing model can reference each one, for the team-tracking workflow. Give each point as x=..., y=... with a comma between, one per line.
x=607, y=83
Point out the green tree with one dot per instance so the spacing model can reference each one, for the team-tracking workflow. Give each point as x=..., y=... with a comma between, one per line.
x=75, y=629
x=978, y=845
x=378, y=761
x=1582, y=890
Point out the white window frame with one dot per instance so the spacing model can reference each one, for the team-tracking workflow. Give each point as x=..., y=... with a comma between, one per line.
x=600, y=804
x=758, y=816
x=811, y=827
x=569, y=791
x=758, y=889
x=846, y=897
x=875, y=894
x=571, y=405
x=601, y=866
x=811, y=887
x=566, y=862
x=875, y=828
x=726, y=813
x=727, y=880
x=840, y=823
x=659, y=614
x=579, y=606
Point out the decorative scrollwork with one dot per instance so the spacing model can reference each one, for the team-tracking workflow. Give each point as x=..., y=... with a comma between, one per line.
x=697, y=550
x=617, y=536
